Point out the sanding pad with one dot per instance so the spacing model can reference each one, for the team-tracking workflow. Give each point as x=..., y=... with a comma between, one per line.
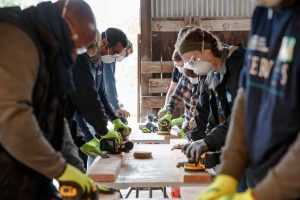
x=142, y=154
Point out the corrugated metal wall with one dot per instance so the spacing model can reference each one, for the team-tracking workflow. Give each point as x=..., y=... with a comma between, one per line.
x=202, y=8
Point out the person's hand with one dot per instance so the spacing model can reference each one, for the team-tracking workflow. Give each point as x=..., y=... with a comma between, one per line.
x=178, y=146
x=182, y=134
x=161, y=112
x=177, y=121
x=92, y=148
x=185, y=146
x=114, y=135
x=222, y=185
x=72, y=174
x=166, y=118
x=123, y=113
x=247, y=195
x=196, y=149
x=122, y=128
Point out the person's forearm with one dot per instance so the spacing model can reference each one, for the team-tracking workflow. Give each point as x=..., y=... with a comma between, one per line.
x=109, y=111
x=170, y=91
x=82, y=125
x=282, y=181
x=22, y=138
x=235, y=156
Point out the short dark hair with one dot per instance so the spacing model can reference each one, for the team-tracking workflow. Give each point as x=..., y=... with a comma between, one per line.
x=115, y=35
x=189, y=73
x=176, y=56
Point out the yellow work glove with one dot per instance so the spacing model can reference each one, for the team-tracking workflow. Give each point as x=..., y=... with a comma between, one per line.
x=105, y=189
x=222, y=185
x=162, y=112
x=122, y=128
x=72, y=174
x=92, y=148
x=113, y=134
x=247, y=195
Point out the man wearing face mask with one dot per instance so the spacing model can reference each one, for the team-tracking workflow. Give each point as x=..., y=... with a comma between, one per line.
x=202, y=52
x=110, y=54
x=186, y=92
x=87, y=103
x=39, y=44
x=176, y=75
x=264, y=132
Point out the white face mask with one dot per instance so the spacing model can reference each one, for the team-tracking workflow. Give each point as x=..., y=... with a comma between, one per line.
x=193, y=80
x=81, y=50
x=180, y=69
x=108, y=59
x=120, y=58
x=202, y=67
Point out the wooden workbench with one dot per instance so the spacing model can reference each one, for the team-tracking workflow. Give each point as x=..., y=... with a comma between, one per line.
x=159, y=171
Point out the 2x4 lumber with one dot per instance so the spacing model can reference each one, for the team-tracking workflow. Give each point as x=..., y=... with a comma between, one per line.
x=225, y=24
x=156, y=67
x=159, y=85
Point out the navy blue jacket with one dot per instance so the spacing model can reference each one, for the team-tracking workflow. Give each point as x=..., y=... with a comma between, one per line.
x=271, y=78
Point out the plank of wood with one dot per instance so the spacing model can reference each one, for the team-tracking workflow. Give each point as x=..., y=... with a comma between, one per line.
x=188, y=176
x=105, y=169
x=191, y=193
x=153, y=101
x=210, y=24
x=159, y=85
x=156, y=67
x=146, y=33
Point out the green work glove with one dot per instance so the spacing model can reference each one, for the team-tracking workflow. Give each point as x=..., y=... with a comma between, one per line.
x=222, y=185
x=72, y=174
x=161, y=112
x=92, y=148
x=105, y=189
x=247, y=195
x=113, y=134
x=120, y=127
x=177, y=121
x=182, y=134
x=167, y=117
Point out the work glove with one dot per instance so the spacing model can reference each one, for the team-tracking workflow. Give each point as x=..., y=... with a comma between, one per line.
x=182, y=134
x=247, y=195
x=177, y=121
x=196, y=149
x=185, y=146
x=166, y=118
x=105, y=189
x=222, y=185
x=122, y=128
x=113, y=134
x=92, y=148
x=162, y=112
x=72, y=174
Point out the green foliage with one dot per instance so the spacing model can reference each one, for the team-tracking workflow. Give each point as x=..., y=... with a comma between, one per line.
x=4, y=3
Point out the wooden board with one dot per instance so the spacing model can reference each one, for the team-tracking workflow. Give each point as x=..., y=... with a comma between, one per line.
x=210, y=24
x=191, y=193
x=159, y=85
x=153, y=101
x=156, y=67
x=188, y=176
x=105, y=169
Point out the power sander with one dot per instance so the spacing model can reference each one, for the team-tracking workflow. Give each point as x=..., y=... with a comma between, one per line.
x=113, y=146
x=73, y=191
x=207, y=160
x=164, y=127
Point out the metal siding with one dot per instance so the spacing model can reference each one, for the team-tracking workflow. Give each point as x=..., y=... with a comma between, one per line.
x=202, y=8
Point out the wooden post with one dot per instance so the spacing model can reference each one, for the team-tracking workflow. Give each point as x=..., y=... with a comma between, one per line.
x=146, y=48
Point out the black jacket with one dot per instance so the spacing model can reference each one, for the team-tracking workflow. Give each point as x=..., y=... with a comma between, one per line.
x=89, y=98
x=208, y=126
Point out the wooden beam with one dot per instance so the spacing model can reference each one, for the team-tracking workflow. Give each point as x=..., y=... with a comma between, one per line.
x=218, y=24
x=105, y=170
x=159, y=85
x=153, y=101
x=156, y=67
x=146, y=27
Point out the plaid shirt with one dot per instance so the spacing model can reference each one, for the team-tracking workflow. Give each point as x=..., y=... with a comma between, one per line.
x=185, y=91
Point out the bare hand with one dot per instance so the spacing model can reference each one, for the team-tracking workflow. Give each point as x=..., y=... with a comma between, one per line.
x=123, y=113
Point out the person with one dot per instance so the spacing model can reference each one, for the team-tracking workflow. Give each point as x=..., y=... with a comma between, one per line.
x=203, y=53
x=110, y=82
x=88, y=79
x=109, y=69
x=39, y=46
x=176, y=75
x=264, y=131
